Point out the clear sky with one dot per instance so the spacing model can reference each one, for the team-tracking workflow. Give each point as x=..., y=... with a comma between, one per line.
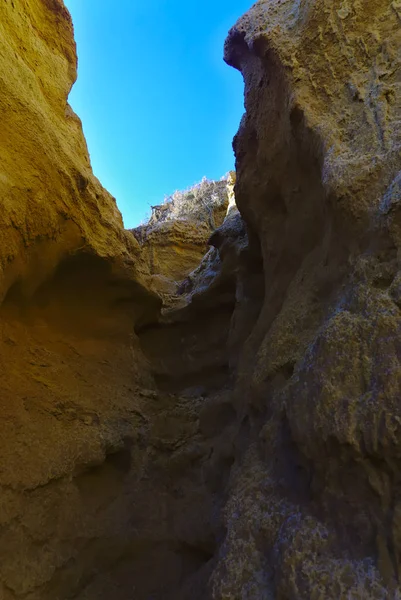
x=158, y=104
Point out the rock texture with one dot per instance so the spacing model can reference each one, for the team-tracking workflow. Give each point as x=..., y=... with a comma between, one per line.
x=175, y=238
x=85, y=495
x=313, y=510
x=52, y=205
x=243, y=440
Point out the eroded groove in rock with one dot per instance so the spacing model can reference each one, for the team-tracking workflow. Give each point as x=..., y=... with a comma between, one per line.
x=98, y=498
x=316, y=151
x=225, y=431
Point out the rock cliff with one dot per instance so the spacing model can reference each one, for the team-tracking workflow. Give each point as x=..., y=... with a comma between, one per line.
x=316, y=503
x=175, y=238
x=241, y=440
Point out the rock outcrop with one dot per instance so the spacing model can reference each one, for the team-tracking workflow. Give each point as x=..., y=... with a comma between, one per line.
x=241, y=441
x=52, y=205
x=85, y=496
x=314, y=507
x=175, y=238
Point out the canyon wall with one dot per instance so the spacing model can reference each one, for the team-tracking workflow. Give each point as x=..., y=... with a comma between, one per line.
x=175, y=238
x=232, y=432
x=316, y=502
x=80, y=513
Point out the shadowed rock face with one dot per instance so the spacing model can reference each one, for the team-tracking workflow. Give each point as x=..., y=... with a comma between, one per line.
x=315, y=505
x=241, y=440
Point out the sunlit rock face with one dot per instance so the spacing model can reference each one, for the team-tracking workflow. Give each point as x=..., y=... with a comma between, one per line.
x=52, y=205
x=175, y=238
x=178, y=422
x=102, y=481
x=73, y=285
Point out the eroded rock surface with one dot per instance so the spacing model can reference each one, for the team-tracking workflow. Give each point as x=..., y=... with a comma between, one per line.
x=314, y=509
x=86, y=497
x=242, y=441
x=176, y=236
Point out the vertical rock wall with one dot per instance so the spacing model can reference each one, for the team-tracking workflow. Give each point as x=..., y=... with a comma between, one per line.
x=74, y=382
x=313, y=509
x=243, y=442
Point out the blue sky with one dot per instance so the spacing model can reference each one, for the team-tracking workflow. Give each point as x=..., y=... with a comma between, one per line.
x=158, y=104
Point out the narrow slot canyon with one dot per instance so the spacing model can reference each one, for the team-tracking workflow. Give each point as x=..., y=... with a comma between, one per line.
x=206, y=407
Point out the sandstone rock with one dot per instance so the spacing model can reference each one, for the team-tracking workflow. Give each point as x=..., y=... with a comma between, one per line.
x=85, y=487
x=175, y=238
x=243, y=442
x=52, y=205
x=318, y=157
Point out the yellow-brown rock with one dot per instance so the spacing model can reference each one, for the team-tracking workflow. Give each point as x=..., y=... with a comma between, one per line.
x=244, y=442
x=176, y=236
x=81, y=514
x=313, y=509
x=52, y=205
